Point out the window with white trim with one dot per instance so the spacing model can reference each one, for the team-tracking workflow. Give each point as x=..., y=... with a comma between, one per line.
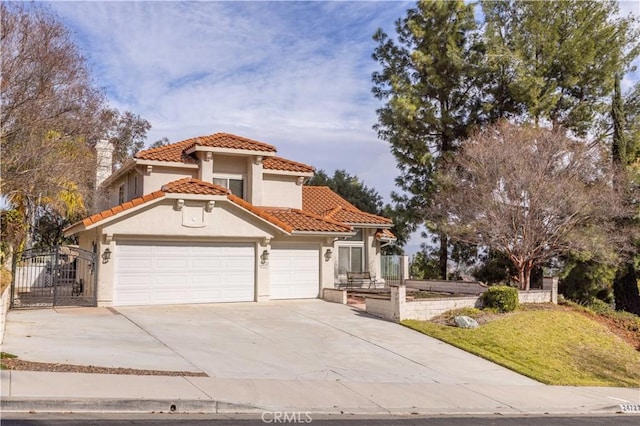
x=350, y=259
x=235, y=183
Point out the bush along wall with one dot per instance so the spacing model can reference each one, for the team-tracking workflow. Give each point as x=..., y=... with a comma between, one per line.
x=501, y=298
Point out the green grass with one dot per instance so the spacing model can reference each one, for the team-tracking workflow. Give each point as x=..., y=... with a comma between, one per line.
x=556, y=347
x=5, y=355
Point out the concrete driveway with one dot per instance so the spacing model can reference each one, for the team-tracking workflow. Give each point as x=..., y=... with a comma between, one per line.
x=287, y=340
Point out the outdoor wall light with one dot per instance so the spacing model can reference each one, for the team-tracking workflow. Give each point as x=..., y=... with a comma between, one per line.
x=327, y=255
x=106, y=255
x=264, y=257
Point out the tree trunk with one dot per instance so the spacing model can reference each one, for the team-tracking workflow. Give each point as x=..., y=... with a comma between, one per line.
x=444, y=256
x=526, y=285
x=625, y=289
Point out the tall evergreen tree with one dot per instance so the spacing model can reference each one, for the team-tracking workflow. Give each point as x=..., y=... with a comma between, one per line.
x=561, y=56
x=429, y=81
x=625, y=284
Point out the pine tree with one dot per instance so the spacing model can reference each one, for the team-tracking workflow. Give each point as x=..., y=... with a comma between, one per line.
x=429, y=82
x=625, y=284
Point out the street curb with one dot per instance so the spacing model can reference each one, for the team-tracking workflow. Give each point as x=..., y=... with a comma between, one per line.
x=207, y=406
x=114, y=405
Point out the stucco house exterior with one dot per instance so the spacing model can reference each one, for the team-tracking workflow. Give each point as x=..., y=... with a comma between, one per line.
x=222, y=218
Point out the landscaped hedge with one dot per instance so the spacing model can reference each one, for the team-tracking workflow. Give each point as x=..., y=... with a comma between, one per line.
x=501, y=297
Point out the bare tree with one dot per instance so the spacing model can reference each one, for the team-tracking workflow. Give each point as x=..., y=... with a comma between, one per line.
x=52, y=113
x=51, y=110
x=530, y=193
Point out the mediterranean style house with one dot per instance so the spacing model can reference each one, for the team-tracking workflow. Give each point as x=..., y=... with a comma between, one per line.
x=222, y=218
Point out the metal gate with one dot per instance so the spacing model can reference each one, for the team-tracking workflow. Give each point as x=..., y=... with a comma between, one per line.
x=61, y=276
x=392, y=269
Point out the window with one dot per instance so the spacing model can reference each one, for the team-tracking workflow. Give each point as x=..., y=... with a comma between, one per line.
x=121, y=194
x=135, y=185
x=235, y=185
x=350, y=259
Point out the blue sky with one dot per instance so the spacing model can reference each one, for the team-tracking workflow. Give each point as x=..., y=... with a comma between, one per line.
x=293, y=74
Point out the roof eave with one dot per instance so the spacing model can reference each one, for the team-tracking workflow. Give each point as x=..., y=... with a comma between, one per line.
x=195, y=197
x=324, y=233
x=286, y=173
x=230, y=151
x=82, y=227
x=370, y=225
x=126, y=168
x=143, y=162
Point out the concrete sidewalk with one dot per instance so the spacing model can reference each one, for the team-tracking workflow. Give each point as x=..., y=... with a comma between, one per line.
x=24, y=391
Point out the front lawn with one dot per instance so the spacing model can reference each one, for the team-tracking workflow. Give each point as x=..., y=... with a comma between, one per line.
x=556, y=346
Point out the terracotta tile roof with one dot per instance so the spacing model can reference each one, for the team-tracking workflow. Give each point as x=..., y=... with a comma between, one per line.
x=357, y=216
x=120, y=208
x=226, y=140
x=385, y=234
x=260, y=212
x=286, y=219
x=322, y=201
x=194, y=186
x=175, y=151
x=172, y=152
x=279, y=163
x=305, y=221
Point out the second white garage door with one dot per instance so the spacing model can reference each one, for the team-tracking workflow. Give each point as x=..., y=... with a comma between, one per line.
x=173, y=273
x=294, y=272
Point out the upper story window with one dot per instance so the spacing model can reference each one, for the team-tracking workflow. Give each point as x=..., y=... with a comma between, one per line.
x=121, y=194
x=234, y=183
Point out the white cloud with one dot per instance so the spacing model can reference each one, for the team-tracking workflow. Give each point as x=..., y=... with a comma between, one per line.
x=293, y=74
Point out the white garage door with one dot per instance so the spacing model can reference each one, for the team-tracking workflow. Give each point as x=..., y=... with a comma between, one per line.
x=294, y=272
x=172, y=273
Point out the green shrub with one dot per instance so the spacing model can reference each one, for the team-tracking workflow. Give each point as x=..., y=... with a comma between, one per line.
x=500, y=297
x=600, y=307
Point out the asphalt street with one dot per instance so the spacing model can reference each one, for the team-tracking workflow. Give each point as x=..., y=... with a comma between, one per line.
x=26, y=419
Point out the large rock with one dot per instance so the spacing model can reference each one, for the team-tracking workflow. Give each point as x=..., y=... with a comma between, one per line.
x=465, y=322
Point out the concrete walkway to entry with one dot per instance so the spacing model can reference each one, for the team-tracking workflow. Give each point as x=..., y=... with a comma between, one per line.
x=288, y=355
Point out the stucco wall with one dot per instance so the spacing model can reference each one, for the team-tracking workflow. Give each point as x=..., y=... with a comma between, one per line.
x=397, y=308
x=535, y=296
x=334, y=295
x=4, y=308
x=162, y=218
x=162, y=175
x=229, y=164
x=462, y=287
x=281, y=191
x=382, y=308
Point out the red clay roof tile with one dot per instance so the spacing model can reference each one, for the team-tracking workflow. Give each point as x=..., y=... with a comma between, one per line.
x=194, y=186
x=120, y=208
x=317, y=214
x=279, y=163
x=261, y=213
x=323, y=201
x=176, y=151
x=172, y=152
x=300, y=220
